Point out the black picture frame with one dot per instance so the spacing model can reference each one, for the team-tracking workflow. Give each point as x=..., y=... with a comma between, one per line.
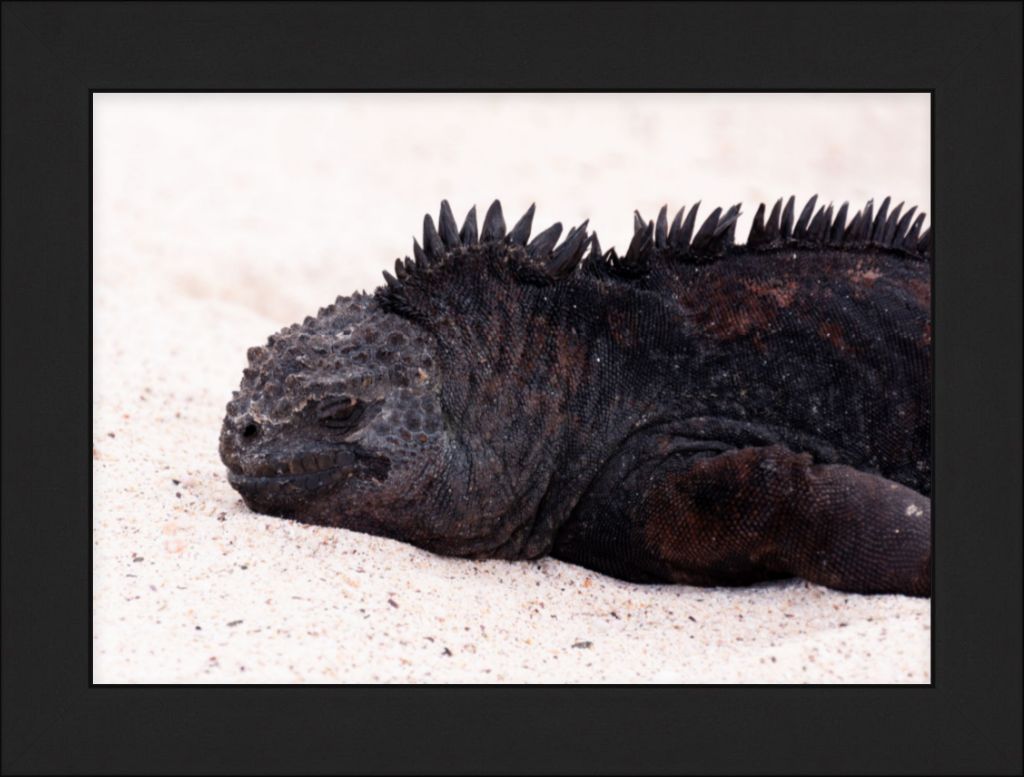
x=55, y=55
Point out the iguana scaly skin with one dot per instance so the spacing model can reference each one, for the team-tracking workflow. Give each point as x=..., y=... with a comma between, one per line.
x=693, y=411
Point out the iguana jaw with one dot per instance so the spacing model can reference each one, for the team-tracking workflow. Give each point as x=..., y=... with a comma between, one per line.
x=281, y=486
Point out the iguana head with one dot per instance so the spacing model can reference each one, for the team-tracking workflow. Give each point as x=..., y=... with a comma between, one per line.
x=402, y=414
x=337, y=420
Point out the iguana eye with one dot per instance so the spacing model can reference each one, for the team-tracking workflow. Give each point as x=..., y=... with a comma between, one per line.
x=341, y=413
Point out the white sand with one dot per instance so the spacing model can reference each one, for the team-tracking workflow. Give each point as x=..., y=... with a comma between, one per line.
x=219, y=219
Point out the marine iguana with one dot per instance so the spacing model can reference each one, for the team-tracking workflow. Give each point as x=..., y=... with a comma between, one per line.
x=692, y=411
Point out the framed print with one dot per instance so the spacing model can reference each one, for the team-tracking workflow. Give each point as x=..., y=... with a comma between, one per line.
x=182, y=182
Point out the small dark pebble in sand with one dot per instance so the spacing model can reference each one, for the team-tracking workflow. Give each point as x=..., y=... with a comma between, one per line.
x=138, y=558
x=199, y=628
x=586, y=644
x=446, y=652
x=176, y=482
x=233, y=623
x=177, y=494
x=110, y=435
x=692, y=618
x=222, y=517
x=392, y=602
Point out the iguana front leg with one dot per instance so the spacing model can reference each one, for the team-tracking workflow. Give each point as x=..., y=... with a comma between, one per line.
x=752, y=514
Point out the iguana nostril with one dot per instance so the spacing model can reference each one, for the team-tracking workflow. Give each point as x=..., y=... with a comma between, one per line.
x=250, y=431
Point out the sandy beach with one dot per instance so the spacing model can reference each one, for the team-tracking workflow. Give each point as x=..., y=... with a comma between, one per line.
x=219, y=219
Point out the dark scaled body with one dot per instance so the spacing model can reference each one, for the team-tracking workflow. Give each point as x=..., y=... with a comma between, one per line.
x=692, y=411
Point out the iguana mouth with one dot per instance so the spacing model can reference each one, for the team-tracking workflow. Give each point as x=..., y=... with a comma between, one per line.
x=311, y=481
x=278, y=479
x=294, y=468
x=268, y=483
